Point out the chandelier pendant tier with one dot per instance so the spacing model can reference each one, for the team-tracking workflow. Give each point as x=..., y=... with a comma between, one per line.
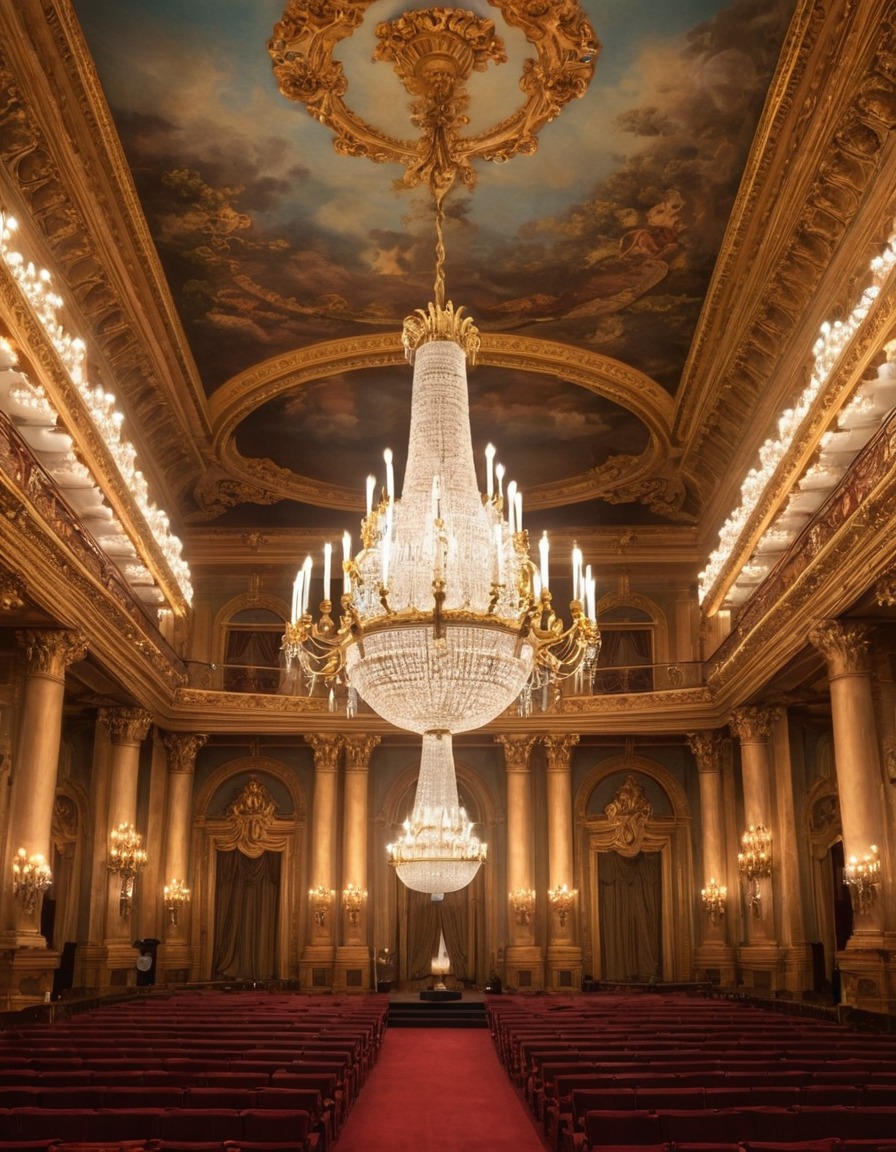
x=439, y=850
x=444, y=620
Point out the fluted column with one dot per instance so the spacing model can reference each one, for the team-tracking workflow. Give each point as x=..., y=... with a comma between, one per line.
x=752, y=727
x=34, y=771
x=845, y=647
x=564, y=959
x=523, y=960
x=128, y=728
x=181, y=750
x=324, y=910
x=353, y=972
x=714, y=955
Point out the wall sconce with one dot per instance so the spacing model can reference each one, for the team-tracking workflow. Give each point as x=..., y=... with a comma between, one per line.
x=353, y=899
x=562, y=899
x=714, y=897
x=127, y=858
x=176, y=895
x=862, y=877
x=755, y=861
x=31, y=876
x=522, y=900
x=321, y=899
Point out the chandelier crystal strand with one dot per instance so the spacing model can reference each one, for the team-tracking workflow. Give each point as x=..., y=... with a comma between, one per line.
x=438, y=850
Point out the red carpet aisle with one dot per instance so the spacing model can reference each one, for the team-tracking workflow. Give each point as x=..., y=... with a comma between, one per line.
x=442, y=1090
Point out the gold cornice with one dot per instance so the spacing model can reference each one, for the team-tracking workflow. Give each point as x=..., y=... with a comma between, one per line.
x=97, y=235
x=63, y=394
x=75, y=583
x=852, y=367
x=817, y=195
x=243, y=394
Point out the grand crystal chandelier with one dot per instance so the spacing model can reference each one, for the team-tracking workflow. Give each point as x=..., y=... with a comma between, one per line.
x=438, y=850
x=444, y=620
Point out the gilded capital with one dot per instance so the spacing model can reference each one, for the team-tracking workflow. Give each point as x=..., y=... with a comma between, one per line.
x=707, y=749
x=559, y=751
x=327, y=750
x=49, y=653
x=126, y=725
x=358, y=750
x=517, y=750
x=845, y=647
x=753, y=724
x=181, y=749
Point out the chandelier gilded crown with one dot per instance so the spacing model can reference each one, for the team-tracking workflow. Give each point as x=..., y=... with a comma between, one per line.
x=444, y=620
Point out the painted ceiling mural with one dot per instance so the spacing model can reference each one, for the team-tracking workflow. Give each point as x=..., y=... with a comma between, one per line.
x=604, y=239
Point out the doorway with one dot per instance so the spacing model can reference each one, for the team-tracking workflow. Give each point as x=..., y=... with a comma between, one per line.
x=630, y=912
x=247, y=901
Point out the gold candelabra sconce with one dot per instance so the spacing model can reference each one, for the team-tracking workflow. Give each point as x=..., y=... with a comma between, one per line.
x=522, y=900
x=353, y=898
x=754, y=861
x=127, y=859
x=31, y=877
x=176, y=895
x=862, y=878
x=321, y=902
x=714, y=897
x=562, y=898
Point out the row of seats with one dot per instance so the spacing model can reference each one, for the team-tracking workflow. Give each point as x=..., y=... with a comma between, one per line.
x=237, y=1069
x=632, y=1070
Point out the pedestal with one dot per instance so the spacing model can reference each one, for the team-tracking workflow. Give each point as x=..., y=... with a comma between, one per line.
x=563, y=968
x=352, y=968
x=762, y=968
x=26, y=977
x=523, y=968
x=316, y=968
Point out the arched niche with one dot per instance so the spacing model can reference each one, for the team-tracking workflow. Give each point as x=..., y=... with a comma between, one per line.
x=830, y=900
x=231, y=815
x=634, y=643
x=259, y=619
x=634, y=823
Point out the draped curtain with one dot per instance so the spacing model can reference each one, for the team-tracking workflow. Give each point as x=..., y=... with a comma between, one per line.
x=425, y=920
x=247, y=898
x=630, y=910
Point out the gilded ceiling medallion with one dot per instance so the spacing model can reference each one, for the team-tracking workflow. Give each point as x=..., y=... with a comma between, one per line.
x=434, y=51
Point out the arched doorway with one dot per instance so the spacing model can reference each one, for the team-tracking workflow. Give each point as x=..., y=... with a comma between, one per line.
x=635, y=861
x=248, y=835
x=831, y=900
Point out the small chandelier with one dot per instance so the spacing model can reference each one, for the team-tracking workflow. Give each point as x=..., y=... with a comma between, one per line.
x=862, y=877
x=714, y=897
x=522, y=900
x=176, y=895
x=353, y=899
x=127, y=858
x=438, y=850
x=562, y=898
x=321, y=901
x=31, y=876
x=755, y=861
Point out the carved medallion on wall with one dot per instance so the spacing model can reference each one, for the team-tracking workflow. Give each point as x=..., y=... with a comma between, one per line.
x=628, y=812
x=251, y=816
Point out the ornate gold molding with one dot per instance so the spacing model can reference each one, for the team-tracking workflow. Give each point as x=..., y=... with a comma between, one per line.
x=753, y=725
x=126, y=725
x=707, y=748
x=327, y=750
x=181, y=750
x=49, y=653
x=358, y=750
x=517, y=751
x=558, y=748
x=845, y=646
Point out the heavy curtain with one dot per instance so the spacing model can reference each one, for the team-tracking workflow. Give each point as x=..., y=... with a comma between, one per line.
x=630, y=910
x=425, y=920
x=247, y=899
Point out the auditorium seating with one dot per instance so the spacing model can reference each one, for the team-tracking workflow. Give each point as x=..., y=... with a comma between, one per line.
x=635, y=1071
x=174, y=1072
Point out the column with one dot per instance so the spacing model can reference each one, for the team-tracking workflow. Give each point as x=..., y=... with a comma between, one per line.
x=128, y=728
x=316, y=965
x=181, y=749
x=760, y=955
x=795, y=948
x=523, y=958
x=353, y=971
x=714, y=955
x=26, y=975
x=564, y=957
x=846, y=649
